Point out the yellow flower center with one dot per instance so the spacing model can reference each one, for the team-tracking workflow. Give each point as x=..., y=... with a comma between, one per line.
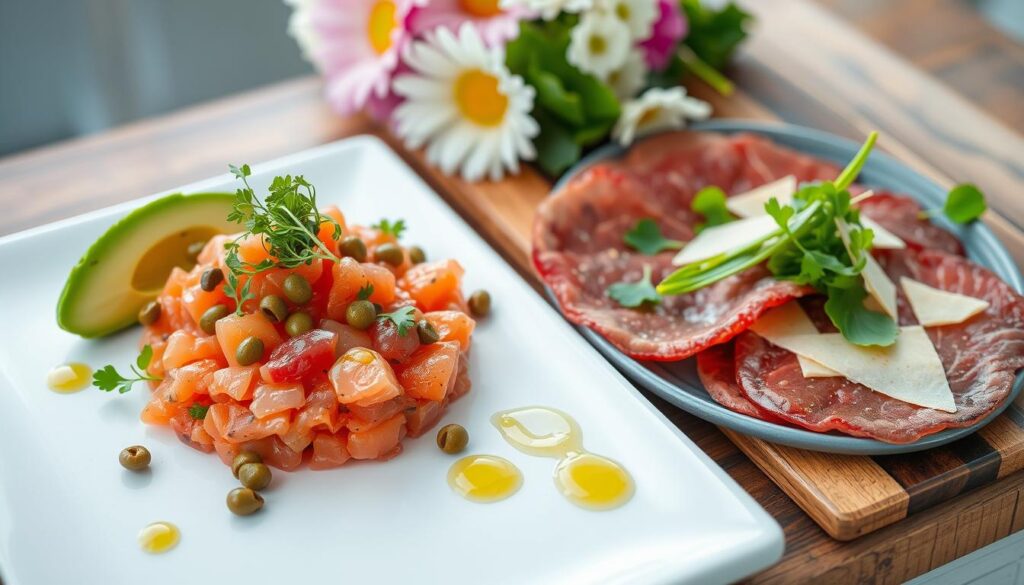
x=622, y=11
x=479, y=98
x=648, y=117
x=597, y=44
x=380, y=24
x=480, y=8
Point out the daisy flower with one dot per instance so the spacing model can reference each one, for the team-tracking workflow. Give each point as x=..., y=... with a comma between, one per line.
x=627, y=80
x=354, y=43
x=599, y=44
x=496, y=24
x=462, y=102
x=549, y=9
x=669, y=29
x=657, y=109
x=637, y=15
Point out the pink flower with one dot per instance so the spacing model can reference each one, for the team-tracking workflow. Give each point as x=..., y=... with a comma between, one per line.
x=355, y=44
x=669, y=29
x=495, y=25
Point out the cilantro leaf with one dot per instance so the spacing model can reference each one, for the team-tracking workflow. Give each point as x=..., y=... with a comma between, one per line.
x=646, y=238
x=858, y=324
x=364, y=292
x=635, y=294
x=109, y=379
x=401, y=317
x=964, y=204
x=710, y=202
x=197, y=411
x=395, y=229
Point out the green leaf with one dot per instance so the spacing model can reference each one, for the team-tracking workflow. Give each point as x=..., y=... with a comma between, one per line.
x=635, y=294
x=145, y=356
x=715, y=34
x=710, y=202
x=364, y=292
x=964, y=204
x=387, y=227
x=198, y=411
x=401, y=317
x=859, y=325
x=556, y=148
x=108, y=379
x=553, y=96
x=645, y=237
x=705, y=72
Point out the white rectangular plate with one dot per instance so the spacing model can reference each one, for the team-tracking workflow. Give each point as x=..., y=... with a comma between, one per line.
x=70, y=514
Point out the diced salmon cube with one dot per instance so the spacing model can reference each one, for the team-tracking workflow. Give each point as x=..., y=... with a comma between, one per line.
x=187, y=381
x=269, y=399
x=425, y=416
x=329, y=451
x=236, y=382
x=349, y=277
x=184, y=348
x=363, y=377
x=433, y=285
x=273, y=451
x=452, y=326
x=430, y=373
x=196, y=300
x=233, y=423
x=378, y=440
x=234, y=329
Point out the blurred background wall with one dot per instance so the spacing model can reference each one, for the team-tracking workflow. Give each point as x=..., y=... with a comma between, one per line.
x=71, y=67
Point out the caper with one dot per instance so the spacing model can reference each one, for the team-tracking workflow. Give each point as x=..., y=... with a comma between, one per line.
x=244, y=501
x=150, y=313
x=426, y=332
x=210, y=279
x=274, y=308
x=297, y=289
x=390, y=253
x=360, y=314
x=208, y=322
x=417, y=255
x=353, y=247
x=249, y=351
x=243, y=458
x=452, y=438
x=195, y=249
x=135, y=458
x=255, y=476
x=480, y=303
x=298, y=323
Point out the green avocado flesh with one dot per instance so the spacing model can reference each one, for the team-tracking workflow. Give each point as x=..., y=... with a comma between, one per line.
x=128, y=265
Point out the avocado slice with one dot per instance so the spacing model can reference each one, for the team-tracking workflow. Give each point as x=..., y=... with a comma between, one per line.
x=129, y=264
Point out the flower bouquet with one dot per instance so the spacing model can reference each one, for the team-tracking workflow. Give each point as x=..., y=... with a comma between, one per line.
x=484, y=84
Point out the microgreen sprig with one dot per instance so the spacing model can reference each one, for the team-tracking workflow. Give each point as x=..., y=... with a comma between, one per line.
x=109, y=379
x=635, y=294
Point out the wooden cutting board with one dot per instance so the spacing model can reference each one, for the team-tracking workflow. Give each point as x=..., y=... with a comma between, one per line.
x=848, y=496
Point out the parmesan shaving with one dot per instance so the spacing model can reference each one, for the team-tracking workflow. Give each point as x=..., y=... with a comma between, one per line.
x=934, y=306
x=876, y=281
x=720, y=239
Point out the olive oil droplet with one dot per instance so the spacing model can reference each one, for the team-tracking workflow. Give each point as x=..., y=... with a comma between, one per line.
x=592, y=481
x=159, y=537
x=484, y=478
x=68, y=378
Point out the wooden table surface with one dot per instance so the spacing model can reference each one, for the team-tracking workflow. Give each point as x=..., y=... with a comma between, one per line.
x=847, y=84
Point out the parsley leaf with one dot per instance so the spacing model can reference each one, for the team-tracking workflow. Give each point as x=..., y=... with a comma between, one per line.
x=395, y=229
x=964, y=204
x=364, y=292
x=710, y=202
x=646, y=238
x=197, y=411
x=109, y=379
x=401, y=317
x=635, y=294
x=231, y=289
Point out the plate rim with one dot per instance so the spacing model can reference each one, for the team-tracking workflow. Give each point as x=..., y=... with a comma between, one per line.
x=997, y=259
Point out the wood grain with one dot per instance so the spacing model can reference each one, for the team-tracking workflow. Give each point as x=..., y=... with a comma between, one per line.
x=81, y=175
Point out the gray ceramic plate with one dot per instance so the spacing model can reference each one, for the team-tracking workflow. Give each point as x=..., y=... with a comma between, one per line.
x=678, y=383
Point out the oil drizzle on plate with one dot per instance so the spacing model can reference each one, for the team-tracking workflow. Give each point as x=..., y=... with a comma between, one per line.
x=159, y=537
x=585, y=479
x=68, y=378
x=484, y=478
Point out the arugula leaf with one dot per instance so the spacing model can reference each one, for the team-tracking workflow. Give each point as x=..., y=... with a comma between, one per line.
x=715, y=34
x=964, y=203
x=395, y=229
x=646, y=238
x=402, y=318
x=109, y=379
x=198, y=411
x=859, y=325
x=635, y=294
x=364, y=292
x=710, y=202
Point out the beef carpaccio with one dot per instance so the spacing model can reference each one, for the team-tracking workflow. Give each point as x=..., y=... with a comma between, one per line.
x=579, y=251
